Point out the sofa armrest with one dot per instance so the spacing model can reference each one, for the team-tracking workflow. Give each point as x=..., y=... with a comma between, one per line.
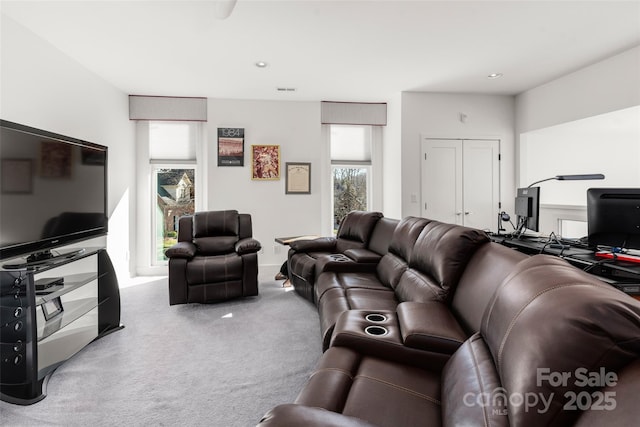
x=363, y=256
x=429, y=326
x=322, y=244
x=292, y=415
x=247, y=246
x=181, y=250
x=377, y=333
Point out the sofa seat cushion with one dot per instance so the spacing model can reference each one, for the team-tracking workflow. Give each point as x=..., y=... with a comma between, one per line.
x=381, y=392
x=371, y=299
x=224, y=268
x=339, y=280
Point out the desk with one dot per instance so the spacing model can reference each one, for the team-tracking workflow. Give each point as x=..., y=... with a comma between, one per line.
x=623, y=275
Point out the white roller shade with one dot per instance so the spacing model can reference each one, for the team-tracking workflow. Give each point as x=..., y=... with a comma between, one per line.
x=167, y=108
x=353, y=113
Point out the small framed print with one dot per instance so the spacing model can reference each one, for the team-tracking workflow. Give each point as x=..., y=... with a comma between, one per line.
x=298, y=178
x=230, y=146
x=265, y=162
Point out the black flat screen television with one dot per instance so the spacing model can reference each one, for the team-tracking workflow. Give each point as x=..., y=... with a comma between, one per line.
x=527, y=209
x=613, y=217
x=53, y=191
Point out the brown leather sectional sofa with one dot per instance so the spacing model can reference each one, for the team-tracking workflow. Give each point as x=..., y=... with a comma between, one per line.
x=448, y=328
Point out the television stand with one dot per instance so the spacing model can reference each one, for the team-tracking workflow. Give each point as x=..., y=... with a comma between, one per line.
x=42, y=258
x=41, y=330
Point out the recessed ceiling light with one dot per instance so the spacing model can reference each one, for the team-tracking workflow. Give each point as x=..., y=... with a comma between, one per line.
x=494, y=75
x=261, y=64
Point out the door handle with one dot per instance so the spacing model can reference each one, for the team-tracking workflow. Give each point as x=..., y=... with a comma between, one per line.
x=458, y=213
x=467, y=213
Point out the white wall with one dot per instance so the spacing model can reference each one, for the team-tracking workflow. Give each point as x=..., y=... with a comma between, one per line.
x=438, y=115
x=567, y=108
x=43, y=88
x=608, y=144
x=295, y=126
x=392, y=160
x=609, y=85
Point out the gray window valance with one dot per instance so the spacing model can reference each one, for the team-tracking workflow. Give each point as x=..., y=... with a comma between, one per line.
x=353, y=113
x=167, y=108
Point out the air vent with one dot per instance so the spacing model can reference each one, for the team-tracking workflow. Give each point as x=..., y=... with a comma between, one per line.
x=286, y=89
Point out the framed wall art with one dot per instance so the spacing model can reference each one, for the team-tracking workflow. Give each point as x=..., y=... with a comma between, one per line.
x=230, y=146
x=297, y=178
x=265, y=162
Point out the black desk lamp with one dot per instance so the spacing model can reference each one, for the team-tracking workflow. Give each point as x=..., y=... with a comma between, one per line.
x=583, y=177
x=522, y=222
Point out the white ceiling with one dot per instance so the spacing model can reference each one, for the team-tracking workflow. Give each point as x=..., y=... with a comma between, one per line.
x=363, y=50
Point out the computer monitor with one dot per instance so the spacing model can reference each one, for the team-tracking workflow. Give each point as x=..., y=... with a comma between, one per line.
x=613, y=217
x=527, y=209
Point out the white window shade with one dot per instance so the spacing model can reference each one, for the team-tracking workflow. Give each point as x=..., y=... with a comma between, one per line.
x=172, y=141
x=350, y=144
x=167, y=108
x=353, y=113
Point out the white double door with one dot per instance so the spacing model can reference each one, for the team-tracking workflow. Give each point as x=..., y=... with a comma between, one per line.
x=461, y=181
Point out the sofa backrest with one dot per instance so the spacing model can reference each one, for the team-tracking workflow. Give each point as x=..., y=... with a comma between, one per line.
x=382, y=234
x=355, y=230
x=437, y=260
x=216, y=232
x=486, y=269
x=396, y=260
x=550, y=335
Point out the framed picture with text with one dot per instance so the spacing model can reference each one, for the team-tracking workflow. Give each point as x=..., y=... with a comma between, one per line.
x=265, y=162
x=297, y=178
x=230, y=146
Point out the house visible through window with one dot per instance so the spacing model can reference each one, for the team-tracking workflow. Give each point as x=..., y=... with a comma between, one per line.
x=351, y=149
x=172, y=152
x=175, y=198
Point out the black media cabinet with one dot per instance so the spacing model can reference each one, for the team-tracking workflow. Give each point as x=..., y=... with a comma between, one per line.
x=40, y=330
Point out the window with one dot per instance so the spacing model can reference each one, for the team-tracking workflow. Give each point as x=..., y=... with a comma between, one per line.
x=175, y=197
x=351, y=160
x=174, y=177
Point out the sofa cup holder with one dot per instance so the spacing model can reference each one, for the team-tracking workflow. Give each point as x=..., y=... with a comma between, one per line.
x=376, y=317
x=376, y=330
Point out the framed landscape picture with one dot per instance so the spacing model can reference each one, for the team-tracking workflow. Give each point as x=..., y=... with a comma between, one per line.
x=297, y=178
x=265, y=162
x=230, y=146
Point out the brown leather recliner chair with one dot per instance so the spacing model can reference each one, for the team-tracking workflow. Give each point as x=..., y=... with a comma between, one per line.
x=215, y=259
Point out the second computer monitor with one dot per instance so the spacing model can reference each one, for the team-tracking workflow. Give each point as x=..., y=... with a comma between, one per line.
x=528, y=208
